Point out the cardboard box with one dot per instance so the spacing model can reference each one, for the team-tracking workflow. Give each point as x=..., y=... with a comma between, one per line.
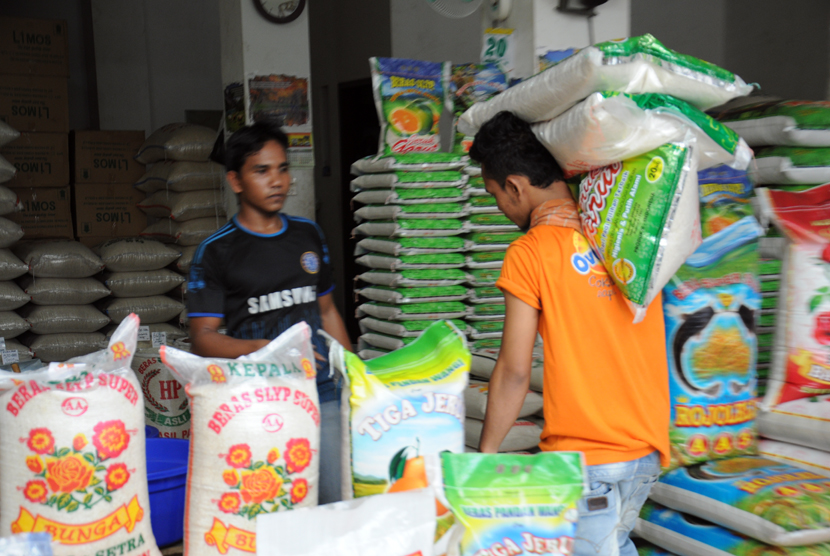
x=106, y=156
x=46, y=214
x=108, y=210
x=35, y=103
x=35, y=46
x=41, y=159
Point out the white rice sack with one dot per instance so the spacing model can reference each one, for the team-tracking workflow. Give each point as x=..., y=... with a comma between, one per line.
x=255, y=439
x=791, y=165
x=805, y=422
x=184, y=206
x=11, y=296
x=414, y=311
x=63, y=291
x=413, y=245
x=181, y=176
x=17, y=351
x=9, y=201
x=60, y=347
x=811, y=459
x=72, y=453
x=401, y=329
x=10, y=232
x=135, y=253
x=7, y=170
x=63, y=319
x=409, y=162
x=165, y=334
x=384, y=342
x=416, y=227
x=415, y=278
x=7, y=133
x=151, y=310
x=12, y=325
x=607, y=127
x=523, y=435
x=404, y=262
x=59, y=259
x=142, y=283
x=178, y=141
x=192, y=232
x=409, y=180
x=414, y=295
x=165, y=403
x=183, y=263
x=634, y=65
x=10, y=266
x=426, y=210
x=796, y=123
x=411, y=196
x=475, y=400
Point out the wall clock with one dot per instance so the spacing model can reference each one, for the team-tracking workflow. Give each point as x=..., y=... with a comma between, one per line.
x=280, y=11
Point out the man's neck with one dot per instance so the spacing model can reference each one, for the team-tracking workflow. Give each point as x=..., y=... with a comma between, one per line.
x=556, y=191
x=255, y=220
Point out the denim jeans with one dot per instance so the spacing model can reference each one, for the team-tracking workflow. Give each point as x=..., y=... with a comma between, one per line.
x=607, y=514
x=330, y=442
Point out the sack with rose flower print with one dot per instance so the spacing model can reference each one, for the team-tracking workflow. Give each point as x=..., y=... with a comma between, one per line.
x=255, y=440
x=72, y=461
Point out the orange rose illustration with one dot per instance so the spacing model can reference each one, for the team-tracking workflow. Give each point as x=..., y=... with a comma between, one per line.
x=36, y=492
x=297, y=455
x=273, y=455
x=71, y=472
x=41, y=441
x=34, y=463
x=299, y=489
x=231, y=477
x=229, y=503
x=110, y=438
x=79, y=442
x=117, y=476
x=239, y=456
x=260, y=485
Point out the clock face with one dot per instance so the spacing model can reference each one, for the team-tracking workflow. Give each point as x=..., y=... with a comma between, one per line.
x=280, y=11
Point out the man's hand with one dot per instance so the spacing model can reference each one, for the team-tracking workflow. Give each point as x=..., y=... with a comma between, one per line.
x=511, y=376
x=208, y=342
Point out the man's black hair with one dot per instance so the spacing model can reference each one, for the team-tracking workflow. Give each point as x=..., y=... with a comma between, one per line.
x=506, y=145
x=250, y=140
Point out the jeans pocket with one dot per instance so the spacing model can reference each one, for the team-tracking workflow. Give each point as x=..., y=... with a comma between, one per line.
x=601, y=499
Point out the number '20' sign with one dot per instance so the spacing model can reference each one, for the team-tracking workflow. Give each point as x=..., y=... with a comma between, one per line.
x=499, y=48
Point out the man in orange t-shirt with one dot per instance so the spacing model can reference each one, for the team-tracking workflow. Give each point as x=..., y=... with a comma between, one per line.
x=606, y=386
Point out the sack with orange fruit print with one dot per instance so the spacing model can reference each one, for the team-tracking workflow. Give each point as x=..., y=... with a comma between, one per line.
x=400, y=408
x=72, y=453
x=255, y=440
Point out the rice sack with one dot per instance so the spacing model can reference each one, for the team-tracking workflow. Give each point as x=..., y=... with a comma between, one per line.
x=725, y=195
x=409, y=162
x=608, y=126
x=72, y=453
x=405, y=197
x=634, y=65
x=415, y=278
x=413, y=245
x=166, y=408
x=769, y=501
x=515, y=504
x=409, y=180
x=690, y=536
x=641, y=217
x=647, y=549
x=426, y=210
x=791, y=165
x=803, y=421
x=801, y=363
x=710, y=309
x=799, y=456
x=797, y=123
x=469, y=84
x=255, y=440
x=409, y=96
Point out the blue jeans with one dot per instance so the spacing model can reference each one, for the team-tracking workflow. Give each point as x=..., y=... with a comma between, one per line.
x=607, y=514
x=330, y=441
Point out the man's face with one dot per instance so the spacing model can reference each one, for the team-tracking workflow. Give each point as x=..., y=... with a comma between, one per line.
x=264, y=179
x=508, y=201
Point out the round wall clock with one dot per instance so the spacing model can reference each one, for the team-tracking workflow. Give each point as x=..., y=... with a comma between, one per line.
x=280, y=11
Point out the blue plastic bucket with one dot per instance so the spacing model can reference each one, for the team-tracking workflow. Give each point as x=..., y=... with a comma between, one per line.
x=151, y=432
x=166, y=478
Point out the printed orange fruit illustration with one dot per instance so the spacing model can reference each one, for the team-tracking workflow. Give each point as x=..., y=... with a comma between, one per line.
x=414, y=477
x=405, y=120
x=624, y=270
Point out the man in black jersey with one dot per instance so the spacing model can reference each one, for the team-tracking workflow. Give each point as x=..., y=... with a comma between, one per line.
x=265, y=271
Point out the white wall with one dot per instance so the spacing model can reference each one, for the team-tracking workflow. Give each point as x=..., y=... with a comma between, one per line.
x=554, y=30
x=155, y=59
x=421, y=33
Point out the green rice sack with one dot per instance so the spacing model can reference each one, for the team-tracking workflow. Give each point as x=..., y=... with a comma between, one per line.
x=796, y=123
x=415, y=227
x=411, y=196
x=491, y=223
x=402, y=329
x=414, y=311
x=487, y=311
x=486, y=295
x=492, y=241
x=415, y=278
x=382, y=341
x=481, y=277
x=485, y=259
x=409, y=180
x=404, y=262
x=476, y=187
x=409, y=96
x=396, y=212
x=414, y=295
x=413, y=245
x=791, y=165
x=725, y=195
x=483, y=205
x=409, y=162
x=485, y=329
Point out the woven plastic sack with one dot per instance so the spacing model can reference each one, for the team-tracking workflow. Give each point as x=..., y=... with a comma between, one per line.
x=414, y=295
x=10, y=232
x=177, y=141
x=402, y=329
x=63, y=291
x=59, y=259
x=63, y=319
x=409, y=162
x=10, y=266
x=541, y=492
x=491, y=223
x=410, y=96
x=796, y=123
x=803, y=421
x=184, y=206
x=485, y=329
x=73, y=453
x=769, y=501
x=383, y=342
x=487, y=311
x=483, y=205
x=23, y=353
x=255, y=439
x=12, y=325
x=413, y=227
x=415, y=278
x=11, y=296
x=523, y=435
x=414, y=311
x=725, y=195
x=485, y=353
x=404, y=262
x=486, y=295
x=791, y=165
x=183, y=263
x=607, y=127
x=152, y=309
x=7, y=170
x=166, y=408
x=412, y=196
x=492, y=241
x=7, y=133
x=484, y=277
x=9, y=201
x=192, y=232
x=470, y=84
x=181, y=176
x=475, y=400
x=413, y=245
x=647, y=549
x=635, y=65
x=394, y=212
x=641, y=217
x=802, y=457
x=60, y=347
x=409, y=180
x=476, y=187
x=142, y=283
x=172, y=334
x=135, y=253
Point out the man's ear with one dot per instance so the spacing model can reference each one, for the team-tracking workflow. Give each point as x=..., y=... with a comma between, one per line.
x=514, y=186
x=233, y=179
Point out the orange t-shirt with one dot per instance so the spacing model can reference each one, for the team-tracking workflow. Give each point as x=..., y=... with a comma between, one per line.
x=606, y=383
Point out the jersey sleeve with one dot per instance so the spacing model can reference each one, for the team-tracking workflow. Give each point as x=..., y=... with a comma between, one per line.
x=205, y=295
x=325, y=284
x=520, y=275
